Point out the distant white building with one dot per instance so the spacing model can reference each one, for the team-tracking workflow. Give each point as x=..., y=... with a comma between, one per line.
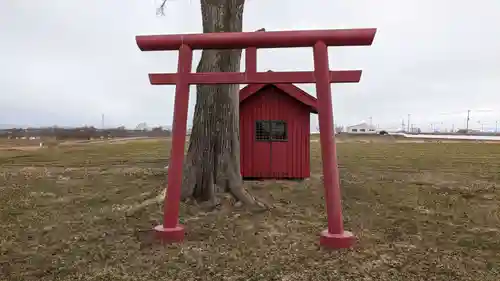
x=362, y=128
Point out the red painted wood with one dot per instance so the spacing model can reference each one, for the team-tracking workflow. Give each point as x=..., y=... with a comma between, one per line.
x=268, y=39
x=298, y=77
x=327, y=138
x=277, y=159
x=292, y=90
x=170, y=230
x=251, y=60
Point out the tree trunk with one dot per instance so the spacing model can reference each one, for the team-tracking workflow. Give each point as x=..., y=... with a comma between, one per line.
x=212, y=163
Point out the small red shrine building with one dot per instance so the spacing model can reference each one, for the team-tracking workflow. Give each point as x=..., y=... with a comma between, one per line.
x=275, y=131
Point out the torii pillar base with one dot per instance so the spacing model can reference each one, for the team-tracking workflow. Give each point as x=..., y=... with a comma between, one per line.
x=169, y=235
x=336, y=241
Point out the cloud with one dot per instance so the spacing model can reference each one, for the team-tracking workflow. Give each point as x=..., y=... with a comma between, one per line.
x=67, y=62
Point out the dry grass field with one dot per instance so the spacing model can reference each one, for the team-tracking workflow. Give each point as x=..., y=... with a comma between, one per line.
x=421, y=211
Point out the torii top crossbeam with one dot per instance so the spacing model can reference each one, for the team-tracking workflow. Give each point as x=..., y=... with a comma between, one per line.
x=268, y=39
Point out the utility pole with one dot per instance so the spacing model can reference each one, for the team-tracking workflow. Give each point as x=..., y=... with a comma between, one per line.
x=403, y=125
x=102, y=121
x=467, y=124
x=409, y=123
x=496, y=126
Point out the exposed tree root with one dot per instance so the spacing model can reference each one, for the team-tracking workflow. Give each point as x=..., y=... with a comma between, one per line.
x=146, y=203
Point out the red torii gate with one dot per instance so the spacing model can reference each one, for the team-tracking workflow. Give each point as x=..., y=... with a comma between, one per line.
x=171, y=230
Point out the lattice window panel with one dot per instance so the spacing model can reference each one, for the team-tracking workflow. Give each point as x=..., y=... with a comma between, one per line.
x=271, y=130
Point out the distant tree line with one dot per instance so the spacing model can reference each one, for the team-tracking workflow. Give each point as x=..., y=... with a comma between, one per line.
x=82, y=133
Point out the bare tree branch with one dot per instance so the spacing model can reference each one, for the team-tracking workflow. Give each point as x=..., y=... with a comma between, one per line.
x=160, y=11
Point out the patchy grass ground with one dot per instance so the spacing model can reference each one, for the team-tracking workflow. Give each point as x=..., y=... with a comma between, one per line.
x=424, y=211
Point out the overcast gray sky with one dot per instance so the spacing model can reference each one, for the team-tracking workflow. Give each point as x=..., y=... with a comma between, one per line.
x=65, y=62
